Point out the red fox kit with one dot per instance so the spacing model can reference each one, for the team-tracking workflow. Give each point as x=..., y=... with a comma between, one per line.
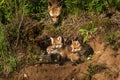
x=84, y=50
x=54, y=9
x=56, y=43
x=73, y=55
x=56, y=47
x=69, y=52
x=76, y=46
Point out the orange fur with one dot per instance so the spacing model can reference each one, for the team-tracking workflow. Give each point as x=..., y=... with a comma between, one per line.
x=70, y=52
x=54, y=9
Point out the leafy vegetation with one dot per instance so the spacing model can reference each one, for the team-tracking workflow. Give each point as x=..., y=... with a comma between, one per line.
x=87, y=32
x=8, y=9
x=8, y=61
x=39, y=7
x=11, y=20
x=91, y=5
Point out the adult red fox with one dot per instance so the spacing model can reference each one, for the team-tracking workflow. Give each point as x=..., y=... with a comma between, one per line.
x=54, y=9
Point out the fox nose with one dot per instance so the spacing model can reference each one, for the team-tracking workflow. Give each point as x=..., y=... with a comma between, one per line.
x=57, y=46
x=73, y=50
x=55, y=20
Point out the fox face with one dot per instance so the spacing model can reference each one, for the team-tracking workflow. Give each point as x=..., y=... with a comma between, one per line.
x=54, y=9
x=52, y=50
x=76, y=46
x=56, y=42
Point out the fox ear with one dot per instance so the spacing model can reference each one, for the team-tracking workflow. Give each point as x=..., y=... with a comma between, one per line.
x=49, y=3
x=77, y=42
x=72, y=41
x=51, y=40
x=59, y=38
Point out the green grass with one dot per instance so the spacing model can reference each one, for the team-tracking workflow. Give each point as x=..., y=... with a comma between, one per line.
x=9, y=64
x=3, y=41
x=8, y=61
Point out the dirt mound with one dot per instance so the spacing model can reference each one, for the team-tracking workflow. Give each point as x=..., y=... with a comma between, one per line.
x=104, y=65
x=45, y=72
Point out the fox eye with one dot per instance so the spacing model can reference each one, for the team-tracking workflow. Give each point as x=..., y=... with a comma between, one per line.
x=49, y=3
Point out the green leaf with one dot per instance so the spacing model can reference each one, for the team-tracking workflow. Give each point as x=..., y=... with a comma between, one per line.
x=93, y=30
x=83, y=31
x=99, y=8
x=85, y=38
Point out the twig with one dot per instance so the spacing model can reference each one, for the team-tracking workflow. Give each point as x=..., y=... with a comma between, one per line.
x=19, y=26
